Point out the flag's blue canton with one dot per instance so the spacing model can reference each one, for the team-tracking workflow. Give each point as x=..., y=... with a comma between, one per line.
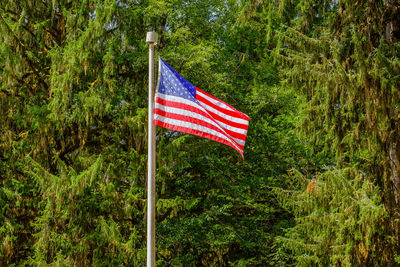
x=171, y=83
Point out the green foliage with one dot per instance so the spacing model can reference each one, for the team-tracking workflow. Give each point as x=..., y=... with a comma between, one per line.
x=339, y=218
x=347, y=69
x=73, y=79
x=210, y=198
x=72, y=132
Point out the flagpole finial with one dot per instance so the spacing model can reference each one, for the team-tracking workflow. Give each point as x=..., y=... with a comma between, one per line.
x=151, y=37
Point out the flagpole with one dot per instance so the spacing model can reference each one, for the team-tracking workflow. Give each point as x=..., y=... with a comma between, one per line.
x=151, y=40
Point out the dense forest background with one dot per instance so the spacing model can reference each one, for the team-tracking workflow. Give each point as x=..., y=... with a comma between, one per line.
x=320, y=81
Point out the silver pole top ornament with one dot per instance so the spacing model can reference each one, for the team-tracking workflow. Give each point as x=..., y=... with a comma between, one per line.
x=151, y=38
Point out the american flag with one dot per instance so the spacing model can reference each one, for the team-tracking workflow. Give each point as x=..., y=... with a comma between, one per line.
x=181, y=106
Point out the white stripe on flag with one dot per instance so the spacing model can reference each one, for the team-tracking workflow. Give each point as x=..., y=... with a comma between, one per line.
x=194, y=127
x=216, y=102
x=219, y=124
x=180, y=111
x=239, y=141
x=178, y=100
x=228, y=117
x=188, y=113
x=231, y=128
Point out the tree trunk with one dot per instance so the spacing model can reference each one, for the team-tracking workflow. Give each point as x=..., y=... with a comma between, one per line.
x=392, y=12
x=392, y=196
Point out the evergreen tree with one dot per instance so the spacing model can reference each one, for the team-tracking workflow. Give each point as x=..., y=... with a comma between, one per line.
x=338, y=217
x=73, y=93
x=343, y=55
x=72, y=132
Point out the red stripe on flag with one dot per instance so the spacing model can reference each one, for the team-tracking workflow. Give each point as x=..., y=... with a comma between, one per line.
x=225, y=111
x=196, y=132
x=236, y=135
x=233, y=113
x=227, y=121
x=179, y=105
x=174, y=104
x=195, y=122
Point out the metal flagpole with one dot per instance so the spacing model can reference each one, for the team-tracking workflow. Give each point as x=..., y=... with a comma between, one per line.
x=151, y=40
